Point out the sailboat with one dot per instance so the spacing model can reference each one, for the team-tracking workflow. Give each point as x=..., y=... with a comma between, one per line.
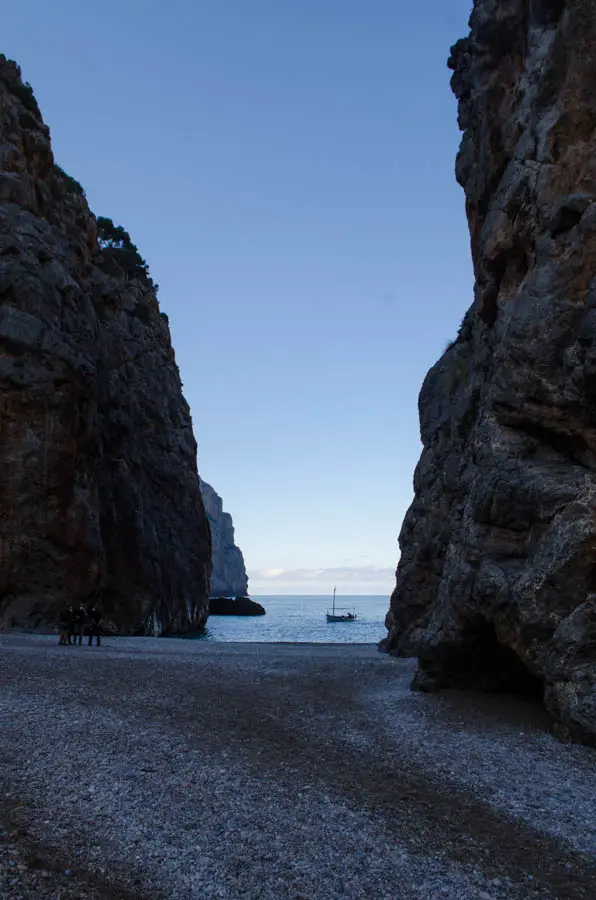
x=340, y=613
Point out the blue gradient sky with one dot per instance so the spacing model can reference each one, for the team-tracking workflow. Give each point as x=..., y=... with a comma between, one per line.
x=286, y=168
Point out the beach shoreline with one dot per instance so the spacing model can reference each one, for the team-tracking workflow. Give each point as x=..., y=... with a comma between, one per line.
x=160, y=767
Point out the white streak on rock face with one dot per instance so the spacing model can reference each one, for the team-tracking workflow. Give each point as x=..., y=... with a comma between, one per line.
x=156, y=627
x=228, y=576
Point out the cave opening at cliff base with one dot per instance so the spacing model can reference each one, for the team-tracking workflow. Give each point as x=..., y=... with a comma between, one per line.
x=485, y=664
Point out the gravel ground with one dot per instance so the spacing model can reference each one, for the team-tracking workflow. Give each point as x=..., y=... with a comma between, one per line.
x=155, y=768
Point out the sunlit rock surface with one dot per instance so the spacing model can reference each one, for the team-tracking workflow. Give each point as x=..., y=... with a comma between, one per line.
x=98, y=475
x=496, y=585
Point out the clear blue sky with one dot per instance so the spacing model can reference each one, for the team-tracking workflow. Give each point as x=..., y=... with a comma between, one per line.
x=286, y=168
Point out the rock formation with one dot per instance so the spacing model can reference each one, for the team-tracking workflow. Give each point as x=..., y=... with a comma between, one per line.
x=496, y=585
x=98, y=476
x=235, y=606
x=228, y=575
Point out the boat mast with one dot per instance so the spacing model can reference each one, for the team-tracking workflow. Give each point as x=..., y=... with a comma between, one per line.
x=334, y=590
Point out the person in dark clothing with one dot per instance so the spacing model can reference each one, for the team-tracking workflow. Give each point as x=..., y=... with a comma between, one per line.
x=79, y=620
x=65, y=624
x=95, y=620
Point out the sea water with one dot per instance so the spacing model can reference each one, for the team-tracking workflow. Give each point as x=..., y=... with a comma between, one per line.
x=302, y=619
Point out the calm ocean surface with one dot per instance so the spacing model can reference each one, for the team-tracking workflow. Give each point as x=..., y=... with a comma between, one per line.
x=297, y=619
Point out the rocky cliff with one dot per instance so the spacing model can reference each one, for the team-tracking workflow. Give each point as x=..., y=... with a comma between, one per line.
x=496, y=585
x=228, y=575
x=98, y=479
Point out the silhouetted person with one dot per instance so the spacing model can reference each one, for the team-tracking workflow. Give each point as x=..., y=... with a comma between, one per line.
x=95, y=620
x=79, y=620
x=65, y=624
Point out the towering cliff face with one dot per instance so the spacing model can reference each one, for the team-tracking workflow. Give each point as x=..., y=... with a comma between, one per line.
x=98, y=478
x=228, y=575
x=497, y=579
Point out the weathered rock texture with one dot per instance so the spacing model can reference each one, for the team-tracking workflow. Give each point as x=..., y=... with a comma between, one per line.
x=98, y=477
x=496, y=584
x=228, y=575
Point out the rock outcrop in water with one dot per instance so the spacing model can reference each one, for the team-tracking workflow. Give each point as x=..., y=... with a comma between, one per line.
x=235, y=606
x=98, y=476
x=496, y=585
x=228, y=575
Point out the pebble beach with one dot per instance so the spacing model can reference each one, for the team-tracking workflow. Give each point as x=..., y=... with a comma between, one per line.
x=164, y=768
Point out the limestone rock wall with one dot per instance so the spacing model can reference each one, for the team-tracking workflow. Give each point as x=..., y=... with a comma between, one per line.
x=98, y=479
x=228, y=575
x=496, y=585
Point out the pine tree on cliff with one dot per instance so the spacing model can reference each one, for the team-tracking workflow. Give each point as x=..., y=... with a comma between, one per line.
x=116, y=241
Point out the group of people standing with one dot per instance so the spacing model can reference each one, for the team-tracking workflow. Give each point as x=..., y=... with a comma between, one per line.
x=74, y=622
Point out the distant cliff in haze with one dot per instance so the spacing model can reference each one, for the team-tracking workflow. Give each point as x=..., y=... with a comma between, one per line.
x=228, y=575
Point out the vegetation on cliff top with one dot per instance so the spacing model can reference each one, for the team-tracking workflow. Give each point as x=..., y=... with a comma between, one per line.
x=24, y=92
x=118, y=248
x=71, y=184
x=12, y=77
